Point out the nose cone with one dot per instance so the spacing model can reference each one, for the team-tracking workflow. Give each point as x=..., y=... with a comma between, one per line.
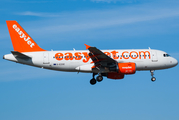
x=174, y=62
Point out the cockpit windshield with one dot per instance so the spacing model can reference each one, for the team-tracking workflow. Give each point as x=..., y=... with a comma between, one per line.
x=166, y=55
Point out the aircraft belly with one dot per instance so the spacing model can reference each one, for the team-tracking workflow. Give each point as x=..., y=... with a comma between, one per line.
x=139, y=65
x=144, y=65
x=85, y=68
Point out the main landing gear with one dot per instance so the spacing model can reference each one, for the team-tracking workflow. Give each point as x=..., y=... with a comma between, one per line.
x=99, y=78
x=152, y=74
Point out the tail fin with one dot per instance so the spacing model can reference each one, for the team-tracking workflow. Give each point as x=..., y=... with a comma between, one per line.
x=21, y=41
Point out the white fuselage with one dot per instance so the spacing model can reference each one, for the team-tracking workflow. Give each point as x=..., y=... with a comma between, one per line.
x=79, y=61
x=113, y=64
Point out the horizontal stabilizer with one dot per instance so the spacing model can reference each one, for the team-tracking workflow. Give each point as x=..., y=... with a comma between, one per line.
x=20, y=55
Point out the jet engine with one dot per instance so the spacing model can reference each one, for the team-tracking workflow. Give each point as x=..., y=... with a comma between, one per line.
x=126, y=68
x=123, y=68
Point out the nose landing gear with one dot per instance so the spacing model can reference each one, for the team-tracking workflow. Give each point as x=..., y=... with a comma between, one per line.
x=152, y=74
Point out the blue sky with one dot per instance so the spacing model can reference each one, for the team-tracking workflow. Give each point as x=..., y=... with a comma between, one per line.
x=28, y=93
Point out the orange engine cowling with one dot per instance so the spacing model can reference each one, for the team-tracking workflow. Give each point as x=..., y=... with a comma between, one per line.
x=127, y=68
x=115, y=75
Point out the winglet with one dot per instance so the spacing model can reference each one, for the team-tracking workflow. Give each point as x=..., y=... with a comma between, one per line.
x=87, y=46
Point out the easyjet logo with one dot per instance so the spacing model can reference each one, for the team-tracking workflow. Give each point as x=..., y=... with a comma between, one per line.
x=113, y=54
x=23, y=36
x=129, y=67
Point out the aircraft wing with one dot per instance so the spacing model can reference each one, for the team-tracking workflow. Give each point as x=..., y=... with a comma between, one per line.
x=100, y=58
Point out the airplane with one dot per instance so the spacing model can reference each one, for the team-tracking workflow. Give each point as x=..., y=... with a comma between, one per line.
x=113, y=64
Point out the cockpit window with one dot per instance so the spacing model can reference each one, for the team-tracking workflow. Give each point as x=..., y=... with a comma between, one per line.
x=166, y=55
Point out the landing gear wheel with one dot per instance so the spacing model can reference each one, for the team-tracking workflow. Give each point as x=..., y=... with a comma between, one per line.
x=92, y=81
x=152, y=74
x=99, y=78
x=153, y=79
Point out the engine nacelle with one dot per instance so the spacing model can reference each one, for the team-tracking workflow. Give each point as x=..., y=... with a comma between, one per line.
x=126, y=68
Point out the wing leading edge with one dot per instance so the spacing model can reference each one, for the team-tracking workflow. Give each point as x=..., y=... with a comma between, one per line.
x=100, y=59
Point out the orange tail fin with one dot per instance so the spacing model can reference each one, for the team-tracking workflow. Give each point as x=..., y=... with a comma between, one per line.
x=21, y=41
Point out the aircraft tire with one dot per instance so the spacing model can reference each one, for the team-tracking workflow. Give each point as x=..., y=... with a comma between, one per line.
x=99, y=78
x=153, y=79
x=93, y=81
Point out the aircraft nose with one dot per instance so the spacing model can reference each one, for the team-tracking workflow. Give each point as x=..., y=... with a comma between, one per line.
x=175, y=62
